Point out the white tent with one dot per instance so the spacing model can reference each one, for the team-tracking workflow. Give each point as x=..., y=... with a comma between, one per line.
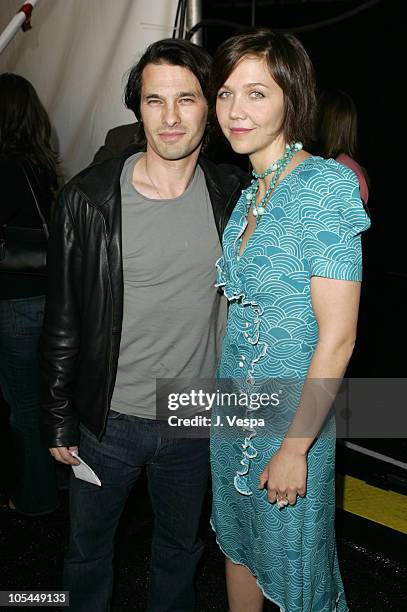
x=77, y=56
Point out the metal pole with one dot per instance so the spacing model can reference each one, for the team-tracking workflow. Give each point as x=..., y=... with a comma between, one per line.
x=23, y=16
x=194, y=16
x=253, y=13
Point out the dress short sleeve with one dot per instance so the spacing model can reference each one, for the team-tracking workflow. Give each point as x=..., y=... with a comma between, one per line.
x=333, y=219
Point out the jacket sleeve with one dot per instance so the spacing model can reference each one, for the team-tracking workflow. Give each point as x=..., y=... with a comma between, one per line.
x=59, y=343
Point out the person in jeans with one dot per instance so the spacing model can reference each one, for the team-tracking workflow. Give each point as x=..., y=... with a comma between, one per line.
x=132, y=299
x=25, y=151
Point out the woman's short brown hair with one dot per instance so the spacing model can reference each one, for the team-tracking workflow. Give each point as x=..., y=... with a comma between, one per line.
x=290, y=67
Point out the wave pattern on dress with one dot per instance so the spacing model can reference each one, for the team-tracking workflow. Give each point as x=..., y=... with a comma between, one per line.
x=311, y=227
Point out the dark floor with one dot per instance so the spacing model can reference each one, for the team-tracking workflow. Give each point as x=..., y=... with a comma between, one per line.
x=373, y=558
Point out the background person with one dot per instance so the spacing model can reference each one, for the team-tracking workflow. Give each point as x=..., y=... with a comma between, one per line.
x=116, y=141
x=26, y=158
x=337, y=130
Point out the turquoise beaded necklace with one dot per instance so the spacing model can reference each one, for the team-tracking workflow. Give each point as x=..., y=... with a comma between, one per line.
x=277, y=167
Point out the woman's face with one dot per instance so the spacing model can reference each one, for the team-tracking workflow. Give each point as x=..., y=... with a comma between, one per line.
x=250, y=107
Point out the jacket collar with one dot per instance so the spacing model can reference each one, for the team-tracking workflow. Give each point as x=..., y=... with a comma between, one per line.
x=100, y=183
x=224, y=183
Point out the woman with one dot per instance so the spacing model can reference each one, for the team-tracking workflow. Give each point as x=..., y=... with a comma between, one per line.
x=291, y=271
x=27, y=162
x=337, y=122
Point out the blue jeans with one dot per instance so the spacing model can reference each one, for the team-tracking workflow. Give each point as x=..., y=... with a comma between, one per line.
x=177, y=473
x=35, y=489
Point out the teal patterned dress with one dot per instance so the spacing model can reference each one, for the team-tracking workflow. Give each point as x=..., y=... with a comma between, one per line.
x=312, y=227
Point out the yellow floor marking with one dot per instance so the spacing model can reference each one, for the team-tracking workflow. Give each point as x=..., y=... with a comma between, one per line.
x=385, y=507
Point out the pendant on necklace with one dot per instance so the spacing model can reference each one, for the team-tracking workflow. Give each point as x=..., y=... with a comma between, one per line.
x=258, y=211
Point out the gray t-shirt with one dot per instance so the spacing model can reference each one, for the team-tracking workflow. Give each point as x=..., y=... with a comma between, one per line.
x=174, y=318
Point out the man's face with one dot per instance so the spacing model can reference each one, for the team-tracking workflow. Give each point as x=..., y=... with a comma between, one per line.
x=173, y=109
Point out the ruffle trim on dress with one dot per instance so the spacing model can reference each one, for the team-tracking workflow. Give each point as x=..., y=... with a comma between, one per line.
x=232, y=286
x=249, y=451
x=233, y=290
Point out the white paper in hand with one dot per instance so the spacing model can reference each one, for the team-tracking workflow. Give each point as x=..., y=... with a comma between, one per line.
x=84, y=472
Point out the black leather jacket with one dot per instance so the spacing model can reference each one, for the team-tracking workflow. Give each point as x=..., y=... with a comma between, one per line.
x=79, y=348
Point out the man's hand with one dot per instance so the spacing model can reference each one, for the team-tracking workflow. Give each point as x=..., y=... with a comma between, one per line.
x=63, y=454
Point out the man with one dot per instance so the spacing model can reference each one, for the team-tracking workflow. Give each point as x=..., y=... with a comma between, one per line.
x=131, y=299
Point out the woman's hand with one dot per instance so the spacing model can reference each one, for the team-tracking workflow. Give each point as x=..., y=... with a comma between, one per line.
x=285, y=475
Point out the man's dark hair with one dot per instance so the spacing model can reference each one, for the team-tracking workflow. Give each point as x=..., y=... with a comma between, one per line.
x=290, y=67
x=174, y=52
